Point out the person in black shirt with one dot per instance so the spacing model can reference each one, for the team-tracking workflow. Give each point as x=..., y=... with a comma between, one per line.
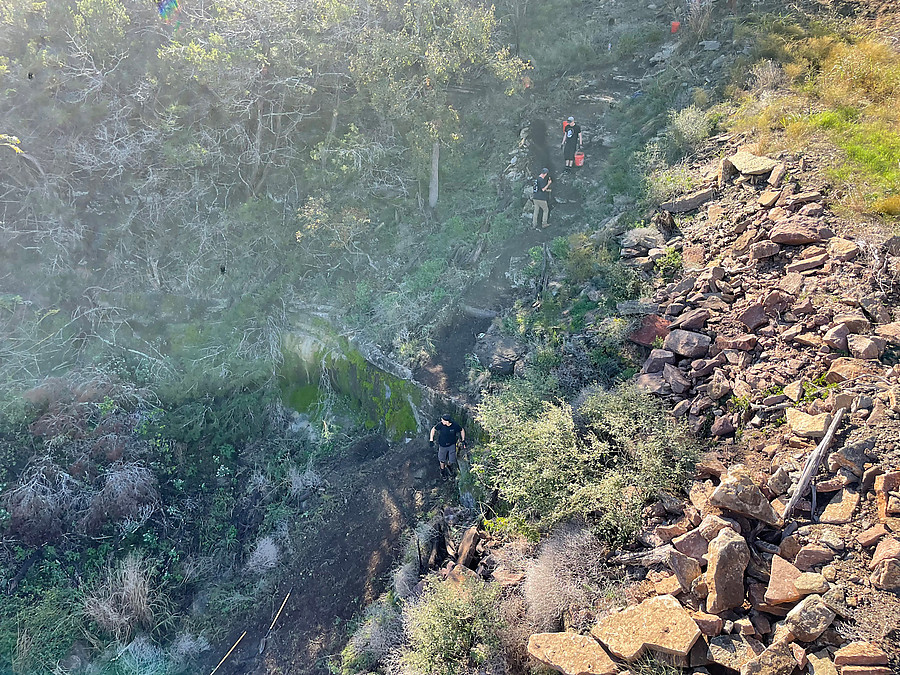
x=447, y=432
x=571, y=140
x=540, y=195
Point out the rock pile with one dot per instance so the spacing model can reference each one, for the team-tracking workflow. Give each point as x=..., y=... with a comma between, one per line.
x=776, y=325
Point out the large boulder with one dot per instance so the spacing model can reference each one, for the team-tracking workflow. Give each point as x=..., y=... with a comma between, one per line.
x=687, y=343
x=659, y=623
x=738, y=493
x=728, y=557
x=498, y=353
x=643, y=238
x=571, y=654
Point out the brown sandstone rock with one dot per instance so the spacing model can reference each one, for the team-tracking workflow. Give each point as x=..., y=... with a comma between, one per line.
x=651, y=383
x=860, y=654
x=652, y=327
x=842, y=250
x=709, y=624
x=571, y=654
x=809, y=619
x=871, y=536
x=733, y=651
x=890, y=332
x=778, y=659
x=659, y=623
x=686, y=343
x=836, y=337
x=796, y=230
x=467, y=555
x=753, y=317
x=813, y=555
x=867, y=670
x=820, y=663
x=862, y=347
x=807, y=426
x=781, y=587
x=888, y=548
x=856, y=323
x=846, y=368
x=686, y=568
x=751, y=165
x=841, y=508
x=728, y=557
x=738, y=493
x=763, y=249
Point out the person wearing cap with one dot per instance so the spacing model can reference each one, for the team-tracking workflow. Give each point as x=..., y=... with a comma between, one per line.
x=571, y=141
x=447, y=431
x=540, y=195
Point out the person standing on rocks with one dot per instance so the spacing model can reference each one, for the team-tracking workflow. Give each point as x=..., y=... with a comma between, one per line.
x=571, y=141
x=447, y=432
x=540, y=195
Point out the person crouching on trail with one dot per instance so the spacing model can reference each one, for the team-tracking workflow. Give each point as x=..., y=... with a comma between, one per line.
x=447, y=432
x=571, y=141
x=540, y=195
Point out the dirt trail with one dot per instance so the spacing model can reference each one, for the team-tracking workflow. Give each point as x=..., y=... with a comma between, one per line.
x=341, y=565
x=446, y=371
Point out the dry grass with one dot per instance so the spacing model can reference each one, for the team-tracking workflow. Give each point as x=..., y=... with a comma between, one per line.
x=126, y=599
x=264, y=557
x=568, y=580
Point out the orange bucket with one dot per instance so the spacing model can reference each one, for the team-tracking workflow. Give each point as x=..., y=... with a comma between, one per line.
x=675, y=26
x=579, y=158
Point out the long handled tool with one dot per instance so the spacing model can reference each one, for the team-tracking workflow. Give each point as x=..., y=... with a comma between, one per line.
x=233, y=647
x=262, y=643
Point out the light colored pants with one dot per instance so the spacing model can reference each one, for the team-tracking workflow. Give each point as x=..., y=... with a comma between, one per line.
x=540, y=206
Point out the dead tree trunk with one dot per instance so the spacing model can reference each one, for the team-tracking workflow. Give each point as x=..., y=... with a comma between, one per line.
x=435, y=163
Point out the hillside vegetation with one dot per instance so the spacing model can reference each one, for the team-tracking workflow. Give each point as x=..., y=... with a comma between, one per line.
x=178, y=194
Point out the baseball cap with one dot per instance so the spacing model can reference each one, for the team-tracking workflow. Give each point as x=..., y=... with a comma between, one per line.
x=571, y=119
x=545, y=170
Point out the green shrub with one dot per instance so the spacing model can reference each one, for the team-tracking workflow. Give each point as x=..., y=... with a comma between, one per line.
x=600, y=462
x=670, y=264
x=688, y=128
x=452, y=628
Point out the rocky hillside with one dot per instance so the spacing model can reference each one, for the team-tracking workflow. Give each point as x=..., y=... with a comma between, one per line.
x=777, y=341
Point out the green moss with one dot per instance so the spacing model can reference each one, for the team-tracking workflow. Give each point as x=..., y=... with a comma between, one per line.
x=384, y=400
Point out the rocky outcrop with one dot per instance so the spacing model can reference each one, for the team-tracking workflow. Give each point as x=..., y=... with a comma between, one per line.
x=659, y=624
x=571, y=654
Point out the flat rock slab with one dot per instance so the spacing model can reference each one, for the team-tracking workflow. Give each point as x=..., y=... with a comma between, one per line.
x=734, y=651
x=688, y=202
x=571, y=654
x=807, y=426
x=820, y=663
x=796, y=231
x=659, y=623
x=860, y=654
x=781, y=587
x=841, y=508
x=846, y=368
x=752, y=165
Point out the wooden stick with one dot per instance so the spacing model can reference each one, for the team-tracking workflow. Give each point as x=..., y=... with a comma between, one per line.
x=812, y=464
x=280, y=609
x=233, y=647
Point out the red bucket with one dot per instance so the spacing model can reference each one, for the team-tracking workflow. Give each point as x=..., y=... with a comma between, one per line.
x=579, y=158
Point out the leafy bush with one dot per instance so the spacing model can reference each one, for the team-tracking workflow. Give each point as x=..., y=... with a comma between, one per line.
x=452, y=627
x=688, y=128
x=599, y=462
x=670, y=264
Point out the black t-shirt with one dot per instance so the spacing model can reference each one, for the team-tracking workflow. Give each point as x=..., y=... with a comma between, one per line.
x=446, y=435
x=572, y=131
x=540, y=184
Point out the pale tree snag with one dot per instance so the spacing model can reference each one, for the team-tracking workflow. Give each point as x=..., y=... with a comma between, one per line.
x=435, y=163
